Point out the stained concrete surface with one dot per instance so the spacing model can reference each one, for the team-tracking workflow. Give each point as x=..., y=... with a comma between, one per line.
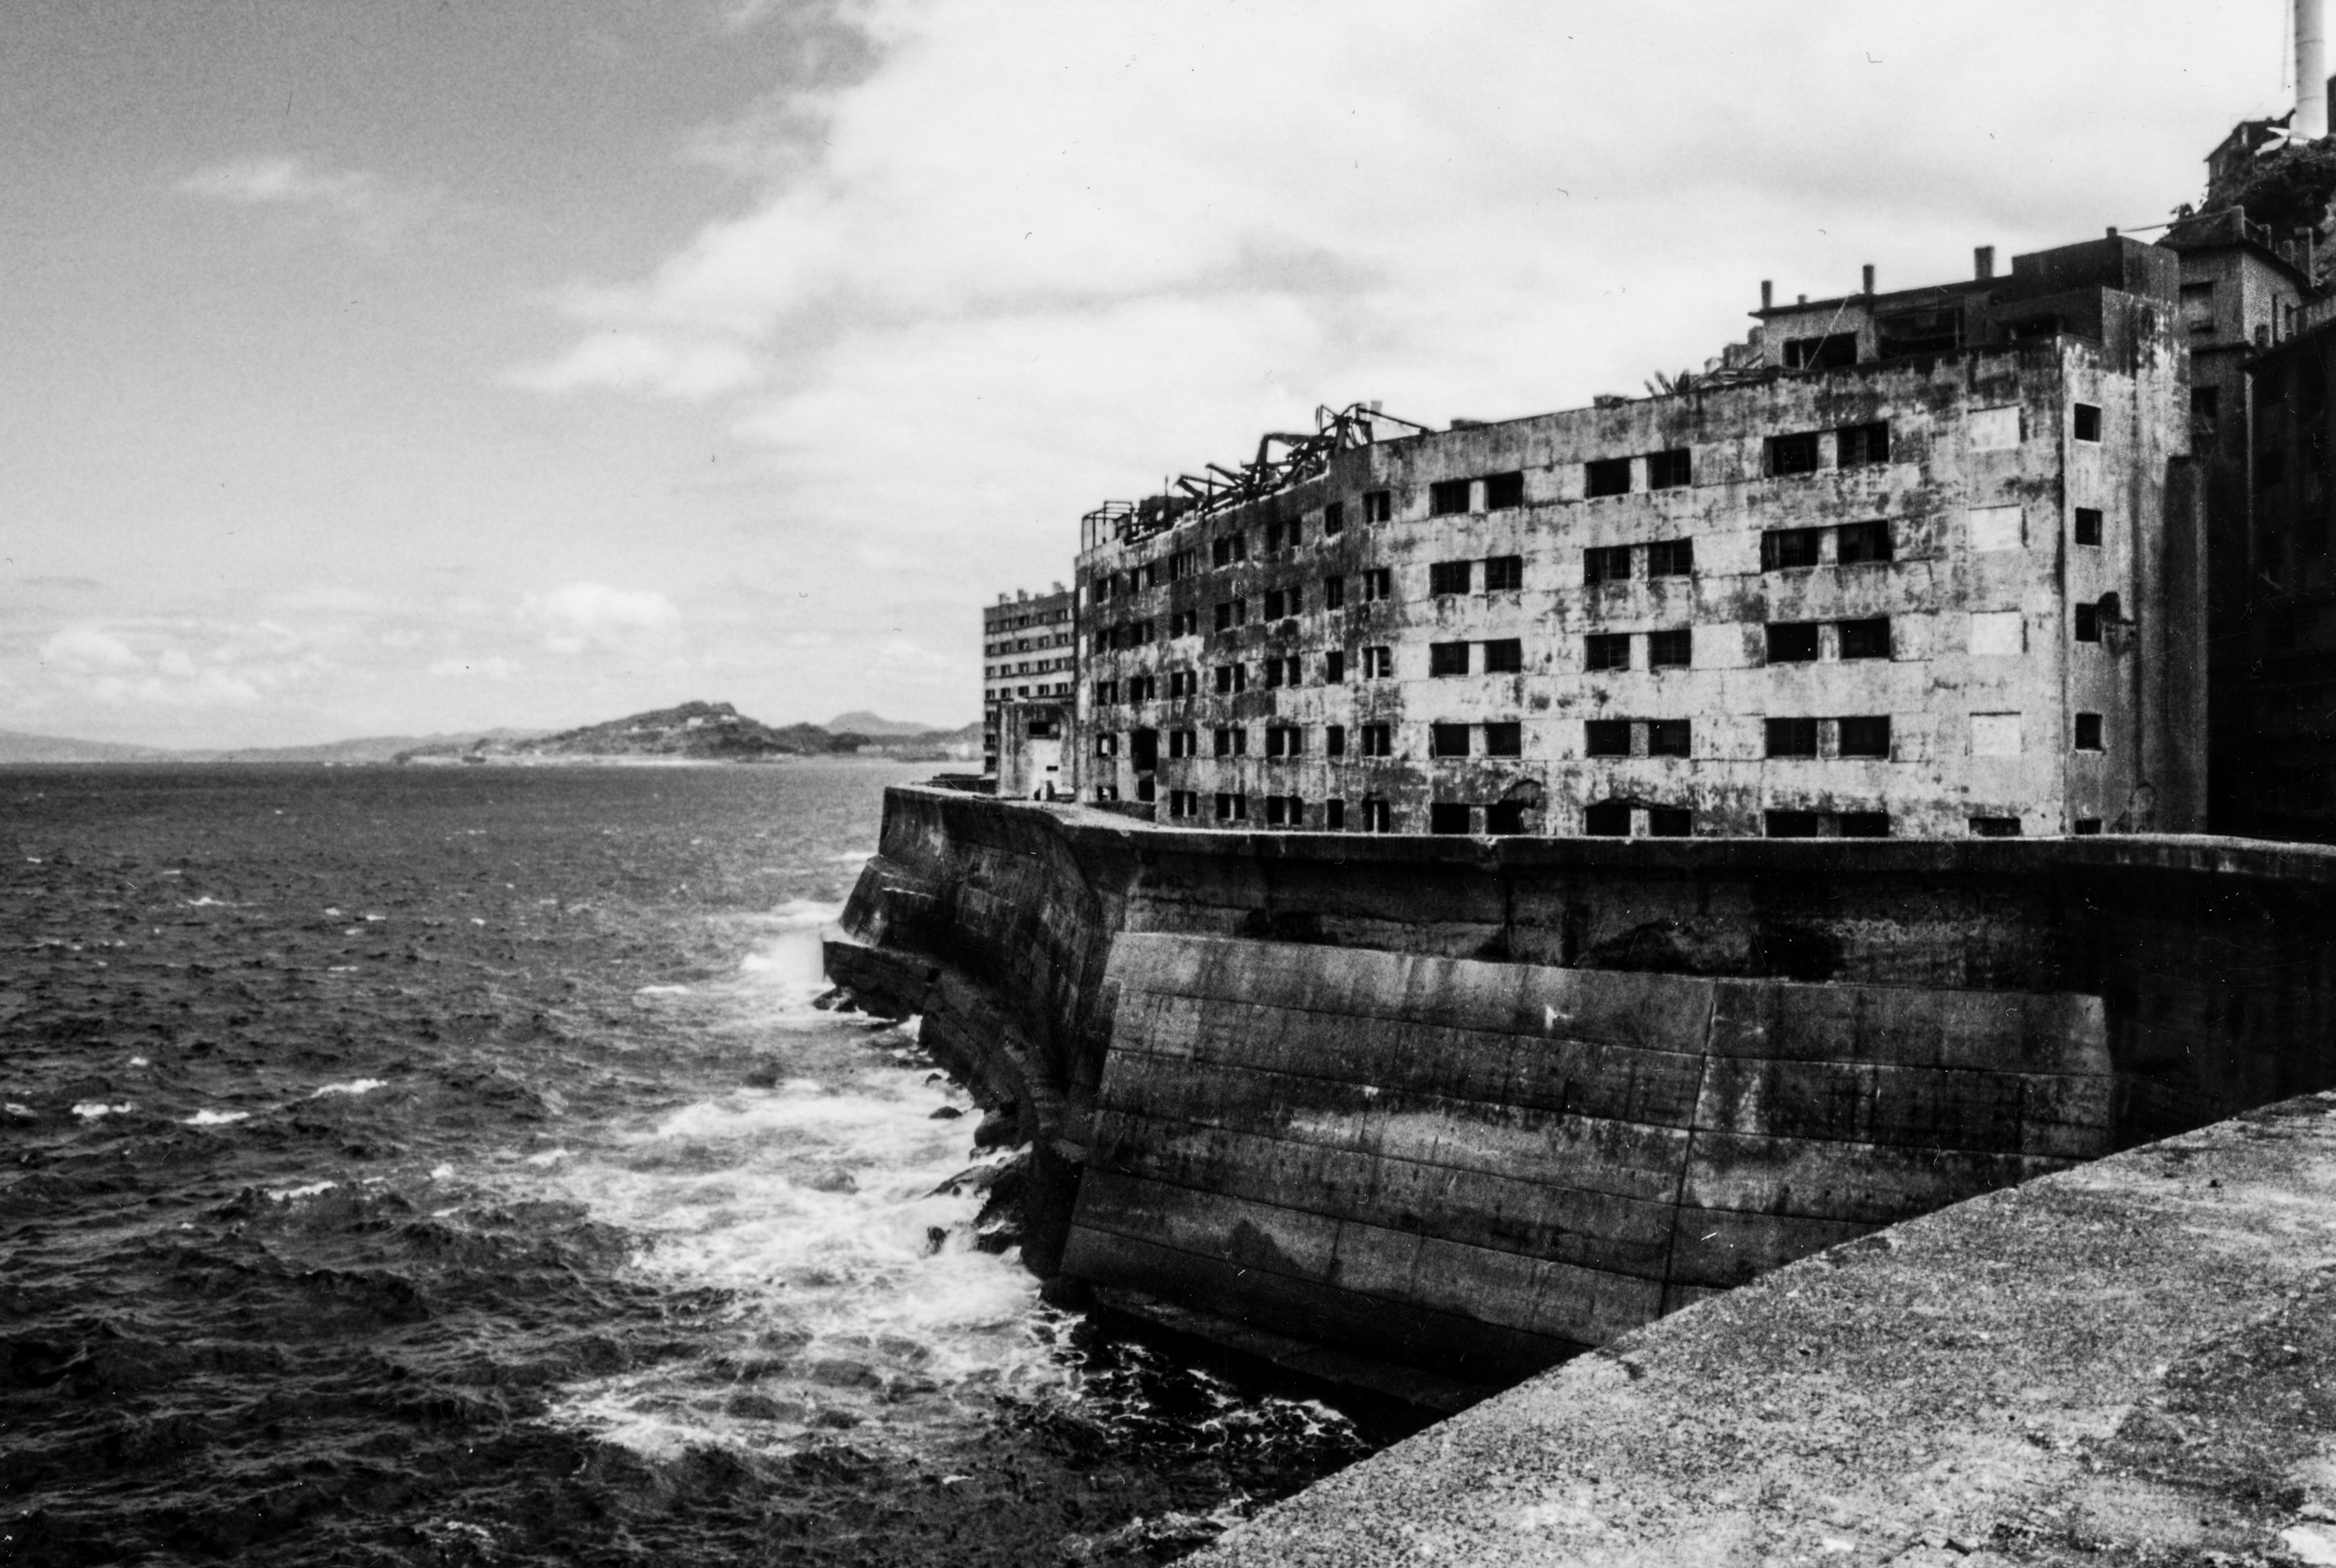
x=2131, y=1362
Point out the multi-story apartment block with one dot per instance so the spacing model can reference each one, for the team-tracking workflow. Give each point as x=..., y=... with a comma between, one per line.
x=2286, y=782
x=1921, y=563
x=1028, y=666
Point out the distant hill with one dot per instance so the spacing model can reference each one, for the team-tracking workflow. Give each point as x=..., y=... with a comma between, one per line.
x=860, y=721
x=15, y=746
x=367, y=748
x=708, y=733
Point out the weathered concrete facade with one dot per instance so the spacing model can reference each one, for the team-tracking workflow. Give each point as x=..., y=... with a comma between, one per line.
x=2287, y=778
x=1028, y=655
x=1923, y=594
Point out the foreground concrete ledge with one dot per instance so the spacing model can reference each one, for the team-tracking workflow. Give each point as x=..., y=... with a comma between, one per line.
x=2130, y=1363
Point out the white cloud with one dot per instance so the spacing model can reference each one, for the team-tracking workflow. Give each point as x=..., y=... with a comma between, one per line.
x=187, y=666
x=585, y=616
x=642, y=362
x=357, y=199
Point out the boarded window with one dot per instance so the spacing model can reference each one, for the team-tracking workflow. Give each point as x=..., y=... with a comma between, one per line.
x=1670, y=650
x=2087, y=422
x=1670, y=821
x=1606, y=564
x=1866, y=736
x=1782, y=549
x=1791, y=642
x=1447, y=497
x=1857, y=544
x=1790, y=824
x=1505, y=574
x=1448, y=740
x=1504, y=655
x=1994, y=528
x=1829, y=352
x=1670, y=470
x=1447, y=658
x=1862, y=446
x=1451, y=818
x=1791, y=737
x=1995, y=734
x=1606, y=651
x=1504, y=491
x=1993, y=429
x=1788, y=455
x=1997, y=634
x=1505, y=738
x=1670, y=558
x=1669, y=737
x=2089, y=525
x=1866, y=639
x=1609, y=819
x=1607, y=476
x=1450, y=576
x=1606, y=737
x=2088, y=731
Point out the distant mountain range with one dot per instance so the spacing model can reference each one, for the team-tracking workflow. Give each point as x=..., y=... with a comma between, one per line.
x=707, y=731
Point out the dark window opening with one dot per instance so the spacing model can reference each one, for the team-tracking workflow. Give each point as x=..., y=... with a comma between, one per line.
x=1792, y=737
x=1447, y=497
x=1445, y=659
x=1670, y=558
x=1505, y=819
x=1866, y=639
x=1378, y=583
x=2088, y=731
x=1906, y=332
x=1866, y=737
x=1378, y=817
x=1505, y=574
x=1378, y=663
x=1334, y=814
x=2087, y=422
x=1791, y=824
x=1995, y=827
x=1334, y=594
x=1606, y=651
x=1791, y=642
x=1670, y=821
x=1450, y=576
x=2089, y=623
x=1272, y=538
x=1606, y=737
x=1297, y=537
x=1829, y=352
x=1788, y=455
x=1782, y=549
x=1505, y=738
x=1606, y=564
x=1233, y=809
x=1670, y=650
x=1448, y=740
x=1607, y=476
x=1669, y=737
x=1862, y=446
x=1378, y=506
x=2089, y=525
x=1504, y=491
x=1334, y=741
x=2087, y=826
x=1671, y=469
x=1857, y=544
x=2205, y=412
x=1334, y=519
x=1451, y=817
x=1277, y=605
x=1865, y=824
x=1334, y=667
x=1609, y=819
x=1378, y=740
x=1504, y=656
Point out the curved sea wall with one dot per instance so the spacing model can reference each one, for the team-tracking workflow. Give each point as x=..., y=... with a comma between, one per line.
x=1471, y=1106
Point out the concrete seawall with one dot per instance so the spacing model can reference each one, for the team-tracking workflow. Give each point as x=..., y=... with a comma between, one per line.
x=1472, y=1105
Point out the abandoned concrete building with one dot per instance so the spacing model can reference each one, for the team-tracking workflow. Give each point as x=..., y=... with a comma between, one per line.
x=1028, y=658
x=1884, y=574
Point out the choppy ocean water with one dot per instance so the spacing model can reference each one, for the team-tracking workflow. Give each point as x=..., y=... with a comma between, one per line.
x=447, y=1166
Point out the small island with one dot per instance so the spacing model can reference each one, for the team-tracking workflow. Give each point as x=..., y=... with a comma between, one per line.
x=699, y=731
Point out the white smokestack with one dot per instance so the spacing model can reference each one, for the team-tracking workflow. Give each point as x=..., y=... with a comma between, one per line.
x=2311, y=122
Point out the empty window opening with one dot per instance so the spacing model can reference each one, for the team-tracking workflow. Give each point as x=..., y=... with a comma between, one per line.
x=1334, y=519
x=1669, y=470
x=2088, y=731
x=1606, y=737
x=1378, y=506
x=1180, y=743
x=1670, y=821
x=1866, y=736
x=1447, y=658
x=2087, y=826
x=1792, y=737
x=1505, y=738
x=1285, y=740
x=1673, y=649
x=1669, y=737
x=1607, y=818
x=1272, y=538
x=1447, y=497
x=1866, y=639
x=1791, y=824
x=1606, y=564
x=1232, y=679
x=1231, y=613
x=1378, y=663
x=1334, y=815
x=1829, y=352
x=2205, y=412
x=1607, y=477
x=1233, y=809
x=1791, y=642
x=1788, y=455
x=1378, y=583
x=1505, y=574
x=1450, y=576
x=1784, y=549
x=1504, y=491
x=2197, y=308
x=1865, y=824
x=1184, y=623
x=1279, y=603
x=1448, y=740
x=1334, y=667
x=1859, y=544
x=1378, y=817
x=2089, y=525
x=1995, y=827
x=1334, y=594
x=1606, y=651
x=1505, y=819
x=1107, y=744
x=1378, y=740
x=1504, y=656
x=2089, y=623
x=1334, y=741
x=1670, y=558
x=1862, y=446
x=1906, y=332
x=2087, y=422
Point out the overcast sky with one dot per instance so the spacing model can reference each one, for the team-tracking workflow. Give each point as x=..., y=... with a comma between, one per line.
x=376, y=366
